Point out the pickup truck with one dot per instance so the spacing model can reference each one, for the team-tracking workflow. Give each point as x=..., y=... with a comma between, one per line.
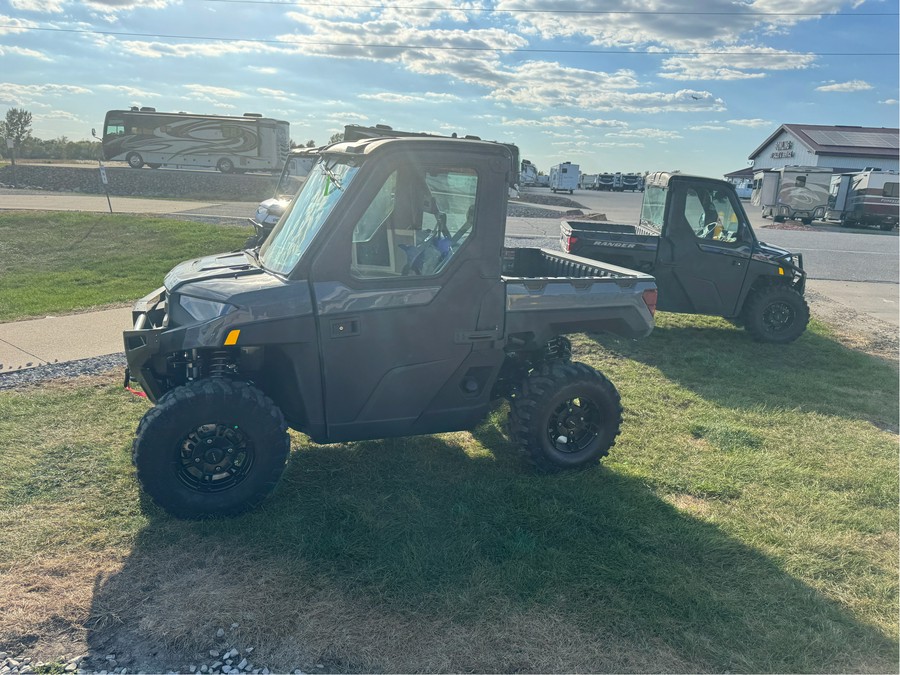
x=382, y=304
x=695, y=238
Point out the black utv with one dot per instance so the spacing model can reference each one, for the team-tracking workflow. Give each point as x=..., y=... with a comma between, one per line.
x=383, y=304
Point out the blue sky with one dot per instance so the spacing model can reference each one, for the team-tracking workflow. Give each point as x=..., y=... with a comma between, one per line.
x=631, y=85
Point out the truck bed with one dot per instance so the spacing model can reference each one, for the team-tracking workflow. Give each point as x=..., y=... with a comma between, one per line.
x=630, y=246
x=550, y=293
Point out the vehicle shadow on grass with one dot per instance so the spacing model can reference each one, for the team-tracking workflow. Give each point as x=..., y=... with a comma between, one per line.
x=446, y=554
x=723, y=364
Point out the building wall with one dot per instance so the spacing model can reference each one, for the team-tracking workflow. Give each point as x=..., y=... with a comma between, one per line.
x=788, y=149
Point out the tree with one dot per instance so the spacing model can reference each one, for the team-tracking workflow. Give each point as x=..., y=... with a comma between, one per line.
x=17, y=125
x=310, y=143
x=336, y=138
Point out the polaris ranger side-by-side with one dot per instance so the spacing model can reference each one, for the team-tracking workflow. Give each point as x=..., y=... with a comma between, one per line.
x=383, y=304
x=696, y=239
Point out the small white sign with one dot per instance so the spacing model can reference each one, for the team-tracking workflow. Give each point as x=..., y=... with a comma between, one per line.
x=103, y=175
x=10, y=143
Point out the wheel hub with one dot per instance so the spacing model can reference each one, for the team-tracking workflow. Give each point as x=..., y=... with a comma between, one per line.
x=214, y=457
x=574, y=425
x=778, y=316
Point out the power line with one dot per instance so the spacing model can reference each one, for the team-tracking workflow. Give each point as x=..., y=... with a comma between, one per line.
x=509, y=50
x=492, y=10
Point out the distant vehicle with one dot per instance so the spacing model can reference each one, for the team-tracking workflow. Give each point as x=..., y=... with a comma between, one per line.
x=564, y=177
x=617, y=181
x=792, y=193
x=142, y=136
x=587, y=181
x=543, y=180
x=743, y=187
x=633, y=182
x=695, y=238
x=296, y=168
x=528, y=174
x=606, y=181
x=868, y=198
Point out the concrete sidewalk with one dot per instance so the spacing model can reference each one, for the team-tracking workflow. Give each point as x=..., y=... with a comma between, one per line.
x=37, y=342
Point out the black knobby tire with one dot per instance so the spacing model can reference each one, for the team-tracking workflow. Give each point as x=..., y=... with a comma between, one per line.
x=134, y=159
x=213, y=447
x=567, y=416
x=775, y=313
x=806, y=221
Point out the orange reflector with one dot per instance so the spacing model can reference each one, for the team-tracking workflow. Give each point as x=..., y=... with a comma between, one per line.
x=780, y=271
x=232, y=338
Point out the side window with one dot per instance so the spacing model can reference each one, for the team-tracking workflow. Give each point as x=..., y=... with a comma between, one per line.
x=711, y=214
x=415, y=224
x=890, y=189
x=801, y=181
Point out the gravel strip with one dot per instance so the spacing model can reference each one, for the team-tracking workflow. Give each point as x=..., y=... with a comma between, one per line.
x=53, y=371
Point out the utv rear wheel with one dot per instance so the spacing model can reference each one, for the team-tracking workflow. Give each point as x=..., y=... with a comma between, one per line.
x=134, y=159
x=566, y=417
x=214, y=447
x=777, y=314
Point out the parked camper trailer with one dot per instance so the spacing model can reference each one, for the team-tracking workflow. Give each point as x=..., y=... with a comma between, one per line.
x=588, y=180
x=617, y=181
x=543, y=180
x=564, y=177
x=792, y=193
x=868, y=198
x=633, y=182
x=528, y=174
x=606, y=181
x=230, y=144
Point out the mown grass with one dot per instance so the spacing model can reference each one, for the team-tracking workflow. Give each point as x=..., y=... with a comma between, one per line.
x=57, y=262
x=746, y=521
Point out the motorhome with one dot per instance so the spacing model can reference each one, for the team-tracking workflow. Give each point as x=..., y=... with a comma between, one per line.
x=142, y=136
x=868, y=198
x=564, y=177
x=792, y=193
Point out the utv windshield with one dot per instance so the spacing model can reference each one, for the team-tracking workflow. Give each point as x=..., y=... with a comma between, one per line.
x=653, y=210
x=296, y=230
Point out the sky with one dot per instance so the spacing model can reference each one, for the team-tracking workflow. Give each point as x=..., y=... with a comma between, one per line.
x=631, y=85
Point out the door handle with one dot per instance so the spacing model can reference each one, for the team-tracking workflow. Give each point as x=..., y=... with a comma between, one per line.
x=344, y=327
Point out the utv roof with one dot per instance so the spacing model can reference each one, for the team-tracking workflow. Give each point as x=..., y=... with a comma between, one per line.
x=662, y=178
x=367, y=146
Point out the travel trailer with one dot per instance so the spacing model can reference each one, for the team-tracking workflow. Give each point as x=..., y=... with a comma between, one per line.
x=528, y=174
x=564, y=177
x=606, y=181
x=142, y=136
x=792, y=193
x=868, y=198
x=633, y=182
x=587, y=181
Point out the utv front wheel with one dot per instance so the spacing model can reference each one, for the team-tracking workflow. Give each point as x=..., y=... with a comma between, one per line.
x=777, y=314
x=567, y=416
x=214, y=447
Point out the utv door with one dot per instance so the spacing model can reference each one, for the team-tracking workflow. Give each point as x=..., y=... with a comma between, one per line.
x=409, y=298
x=704, y=250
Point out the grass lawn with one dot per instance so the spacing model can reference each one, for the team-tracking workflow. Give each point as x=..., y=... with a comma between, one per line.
x=56, y=262
x=746, y=520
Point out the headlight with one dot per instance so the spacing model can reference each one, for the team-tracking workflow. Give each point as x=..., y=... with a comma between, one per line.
x=204, y=310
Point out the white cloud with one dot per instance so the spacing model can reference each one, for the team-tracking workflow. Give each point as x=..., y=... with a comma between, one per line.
x=734, y=63
x=852, y=85
x=133, y=92
x=564, y=121
x=649, y=134
x=22, y=51
x=11, y=25
x=752, y=123
x=34, y=94
x=889, y=101
x=206, y=90
x=43, y=6
x=265, y=70
x=427, y=97
x=707, y=127
x=277, y=94
x=347, y=117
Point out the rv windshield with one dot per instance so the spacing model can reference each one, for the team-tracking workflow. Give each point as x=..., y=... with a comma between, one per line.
x=310, y=209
